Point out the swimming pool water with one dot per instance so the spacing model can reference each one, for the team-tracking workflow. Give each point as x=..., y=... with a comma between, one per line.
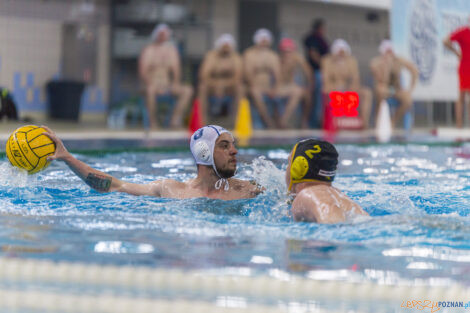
x=418, y=198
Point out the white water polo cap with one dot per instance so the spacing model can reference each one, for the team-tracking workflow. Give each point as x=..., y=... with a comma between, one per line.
x=202, y=147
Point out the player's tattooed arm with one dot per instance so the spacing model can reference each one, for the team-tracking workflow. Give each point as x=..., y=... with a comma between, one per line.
x=99, y=182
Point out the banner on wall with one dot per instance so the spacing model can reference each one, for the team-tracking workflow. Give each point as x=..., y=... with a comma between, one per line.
x=418, y=28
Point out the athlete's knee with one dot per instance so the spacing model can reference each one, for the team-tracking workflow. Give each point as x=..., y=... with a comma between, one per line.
x=240, y=91
x=255, y=92
x=297, y=91
x=150, y=92
x=381, y=93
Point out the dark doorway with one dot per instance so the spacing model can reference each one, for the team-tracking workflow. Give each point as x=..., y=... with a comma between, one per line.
x=254, y=15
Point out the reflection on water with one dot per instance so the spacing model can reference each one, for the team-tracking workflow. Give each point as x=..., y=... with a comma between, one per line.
x=417, y=196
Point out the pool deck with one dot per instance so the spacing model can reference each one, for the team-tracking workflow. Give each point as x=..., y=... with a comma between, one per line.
x=95, y=135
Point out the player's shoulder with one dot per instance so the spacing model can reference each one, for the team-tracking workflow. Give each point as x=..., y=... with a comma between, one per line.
x=210, y=56
x=211, y=53
x=352, y=58
x=327, y=57
x=147, y=49
x=315, y=191
x=376, y=60
x=306, y=198
x=173, y=184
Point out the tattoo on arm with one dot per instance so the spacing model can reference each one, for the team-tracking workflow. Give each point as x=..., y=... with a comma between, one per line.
x=98, y=182
x=259, y=189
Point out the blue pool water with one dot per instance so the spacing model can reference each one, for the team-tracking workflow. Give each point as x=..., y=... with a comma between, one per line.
x=418, y=198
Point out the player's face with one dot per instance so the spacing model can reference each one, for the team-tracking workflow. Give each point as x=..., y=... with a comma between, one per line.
x=225, y=155
x=265, y=42
x=163, y=36
x=226, y=48
x=342, y=53
x=389, y=53
x=287, y=53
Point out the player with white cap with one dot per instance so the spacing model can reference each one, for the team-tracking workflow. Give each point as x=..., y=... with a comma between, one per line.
x=213, y=148
x=292, y=64
x=160, y=72
x=262, y=70
x=387, y=72
x=220, y=81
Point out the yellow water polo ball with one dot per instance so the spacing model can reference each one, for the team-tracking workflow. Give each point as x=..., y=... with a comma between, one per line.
x=28, y=148
x=299, y=168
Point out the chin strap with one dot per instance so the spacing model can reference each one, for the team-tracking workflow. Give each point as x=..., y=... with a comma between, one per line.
x=218, y=184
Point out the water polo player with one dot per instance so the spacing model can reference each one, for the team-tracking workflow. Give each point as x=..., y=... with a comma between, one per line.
x=309, y=176
x=215, y=153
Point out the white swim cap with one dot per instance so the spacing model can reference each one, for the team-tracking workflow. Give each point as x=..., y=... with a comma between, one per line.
x=202, y=147
x=338, y=45
x=261, y=34
x=225, y=39
x=385, y=46
x=158, y=29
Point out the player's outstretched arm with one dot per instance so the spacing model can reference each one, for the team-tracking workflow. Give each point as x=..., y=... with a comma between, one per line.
x=96, y=179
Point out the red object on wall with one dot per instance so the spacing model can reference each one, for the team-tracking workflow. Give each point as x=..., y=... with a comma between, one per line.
x=344, y=103
x=195, y=120
x=343, y=107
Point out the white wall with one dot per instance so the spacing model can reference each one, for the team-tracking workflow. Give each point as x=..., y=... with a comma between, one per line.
x=31, y=46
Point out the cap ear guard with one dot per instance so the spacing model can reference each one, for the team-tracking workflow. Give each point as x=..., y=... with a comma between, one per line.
x=298, y=168
x=202, y=151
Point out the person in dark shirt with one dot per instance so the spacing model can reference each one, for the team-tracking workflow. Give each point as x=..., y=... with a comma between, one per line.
x=316, y=46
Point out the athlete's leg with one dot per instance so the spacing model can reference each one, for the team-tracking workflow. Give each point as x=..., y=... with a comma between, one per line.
x=294, y=94
x=260, y=105
x=381, y=93
x=151, y=104
x=406, y=101
x=365, y=104
x=184, y=94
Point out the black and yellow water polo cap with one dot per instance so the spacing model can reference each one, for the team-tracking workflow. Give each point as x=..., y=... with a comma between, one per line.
x=313, y=160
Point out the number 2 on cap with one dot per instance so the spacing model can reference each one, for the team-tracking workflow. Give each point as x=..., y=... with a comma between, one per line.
x=311, y=152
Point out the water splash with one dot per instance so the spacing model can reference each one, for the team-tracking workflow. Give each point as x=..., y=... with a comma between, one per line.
x=14, y=177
